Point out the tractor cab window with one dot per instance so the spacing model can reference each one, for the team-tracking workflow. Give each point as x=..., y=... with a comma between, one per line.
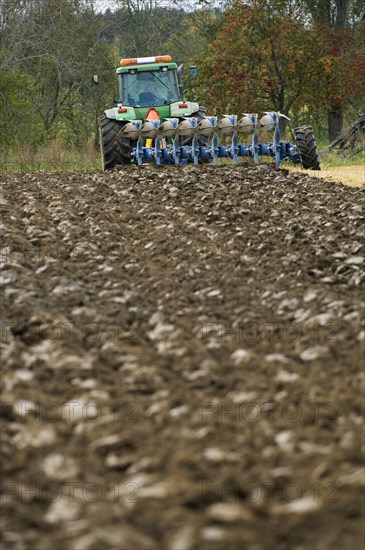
x=149, y=88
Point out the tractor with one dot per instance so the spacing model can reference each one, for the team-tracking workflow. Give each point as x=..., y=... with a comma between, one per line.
x=152, y=122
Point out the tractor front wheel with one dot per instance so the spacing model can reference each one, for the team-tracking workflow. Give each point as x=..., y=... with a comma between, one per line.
x=307, y=148
x=115, y=150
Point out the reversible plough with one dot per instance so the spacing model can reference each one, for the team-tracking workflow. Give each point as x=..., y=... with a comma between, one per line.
x=208, y=127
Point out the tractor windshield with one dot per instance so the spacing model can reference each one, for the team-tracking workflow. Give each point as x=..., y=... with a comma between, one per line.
x=149, y=88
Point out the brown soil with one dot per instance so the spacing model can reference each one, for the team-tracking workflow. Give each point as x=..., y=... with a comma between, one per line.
x=182, y=360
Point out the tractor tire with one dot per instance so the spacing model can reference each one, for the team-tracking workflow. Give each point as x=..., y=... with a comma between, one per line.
x=115, y=150
x=307, y=148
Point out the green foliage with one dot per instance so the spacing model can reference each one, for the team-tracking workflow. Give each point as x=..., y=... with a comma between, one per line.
x=46, y=88
x=191, y=38
x=144, y=26
x=18, y=123
x=346, y=158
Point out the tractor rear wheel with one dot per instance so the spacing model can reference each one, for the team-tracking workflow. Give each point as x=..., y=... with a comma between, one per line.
x=307, y=148
x=115, y=150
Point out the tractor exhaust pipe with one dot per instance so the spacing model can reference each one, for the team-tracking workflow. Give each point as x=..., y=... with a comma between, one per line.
x=179, y=72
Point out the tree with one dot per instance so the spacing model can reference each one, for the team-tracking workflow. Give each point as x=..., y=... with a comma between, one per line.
x=192, y=37
x=259, y=60
x=338, y=79
x=58, y=46
x=336, y=25
x=144, y=26
x=271, y=54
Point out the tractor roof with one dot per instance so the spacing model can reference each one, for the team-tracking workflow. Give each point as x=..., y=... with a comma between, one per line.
x=146, y=63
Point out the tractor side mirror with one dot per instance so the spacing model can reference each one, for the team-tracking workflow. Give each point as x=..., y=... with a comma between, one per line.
x=95, y=79
x=193, y=71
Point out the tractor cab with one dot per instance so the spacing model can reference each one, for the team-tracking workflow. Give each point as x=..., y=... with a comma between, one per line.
x=147, y=82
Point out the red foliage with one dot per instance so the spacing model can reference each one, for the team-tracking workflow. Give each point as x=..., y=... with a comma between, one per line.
x=264, y=59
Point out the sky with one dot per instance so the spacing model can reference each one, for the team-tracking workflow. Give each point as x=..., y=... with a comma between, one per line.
x=102, y=5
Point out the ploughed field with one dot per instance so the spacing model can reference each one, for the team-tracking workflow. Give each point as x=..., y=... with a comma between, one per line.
x=182, y=360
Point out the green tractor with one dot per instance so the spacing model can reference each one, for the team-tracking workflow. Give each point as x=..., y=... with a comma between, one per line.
x=149, y=88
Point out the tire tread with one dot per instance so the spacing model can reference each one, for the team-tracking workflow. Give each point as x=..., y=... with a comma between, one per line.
x=307, y=147
x=115, y=150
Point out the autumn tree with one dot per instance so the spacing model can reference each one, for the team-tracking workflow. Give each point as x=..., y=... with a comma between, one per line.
x=337, y=81
x=339, y=33
x=273, y=54
x=259, y=60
